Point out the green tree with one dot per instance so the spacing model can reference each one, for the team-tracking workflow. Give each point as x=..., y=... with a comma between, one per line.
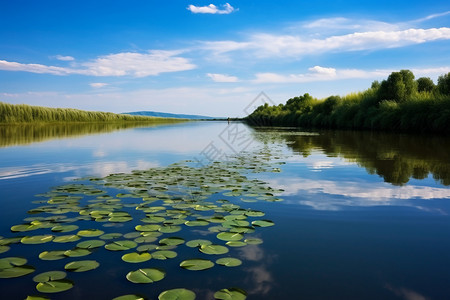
x=444, y=84
x=399, y=86
x=425, y=84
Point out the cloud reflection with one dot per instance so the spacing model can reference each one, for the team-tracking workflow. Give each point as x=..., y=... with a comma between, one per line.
x=406, y=294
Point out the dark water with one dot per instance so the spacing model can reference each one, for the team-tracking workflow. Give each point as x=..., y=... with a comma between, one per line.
x=363, y=216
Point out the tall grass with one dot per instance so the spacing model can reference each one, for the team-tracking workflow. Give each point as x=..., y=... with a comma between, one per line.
x=22, y=113
x=420, y=112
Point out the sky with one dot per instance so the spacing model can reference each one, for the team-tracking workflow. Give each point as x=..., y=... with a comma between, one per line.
x=211, y=57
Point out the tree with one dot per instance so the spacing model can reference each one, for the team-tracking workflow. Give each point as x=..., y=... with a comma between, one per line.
x=425, y=84
x=399, y=86
x=444, y=84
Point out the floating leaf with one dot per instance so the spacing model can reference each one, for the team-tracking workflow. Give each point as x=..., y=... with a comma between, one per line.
x=91, y=244
x=52, y=255
x=172, y=241
x=229, y=262
x=213, y=249
x=81, y=265
x=235, y=243
x=49, y=276
x=90, y=232
x=147, y=227
x=148, y=247
x=196, y=223
x=36, y=298
x=3, y=249
x=64, y=228
x=111, y=236
x=66, y=238
x=177, y=294
x=136, y=257
x=196, y=264
x=263, y=223
x=230, y=294
x=55, y=286
x=169, y=228
x=25, y=227
x=121, y=245
x=198, y=243
x=253, y=241
x=145, y=239
x=37, y=239
x=146, y=275
x=229, y=236
x=129, y=297
x=16, y=271
x=77, y=252
x=11, y=262
x=164, y=254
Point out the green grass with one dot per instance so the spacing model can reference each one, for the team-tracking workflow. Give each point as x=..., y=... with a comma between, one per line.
x=415, y=111
x=22, y=113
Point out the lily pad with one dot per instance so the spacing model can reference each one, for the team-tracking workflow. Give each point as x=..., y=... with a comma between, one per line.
x=146, y=275
x=147, y=247
x=235, y=243
x=121, y=245
x=52, y=255
x=213, y=249
x=253, y=241
x=129, y=297
x=81, y=265
x=91, y=244
x=90, y=232
x=230, y=294
x=37, y=239
x=196, y=264
x=169, y=228
x=229, y=262
x=196, y=223
x=36, y=298
x=229, y=236
x=49, y=276
x=198, y=243
x=66, y=238
x=147, y=227
x=164, y=254
x=177, y=294
x=77, y=252
x=136, y=257
x=54, y=286
x=16, y=271
x=172, y=241
x=4, y=249
x=263, y=223
x=64, y=228
x=111, y=236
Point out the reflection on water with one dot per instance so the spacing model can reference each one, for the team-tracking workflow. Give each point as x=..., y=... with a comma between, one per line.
x=11, y=135
x=395, y=157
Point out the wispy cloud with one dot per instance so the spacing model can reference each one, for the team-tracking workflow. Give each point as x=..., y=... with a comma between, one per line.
x=98, y=84
x=211, y=9
x=64, y=58
x=133, y=64
x=222, y=77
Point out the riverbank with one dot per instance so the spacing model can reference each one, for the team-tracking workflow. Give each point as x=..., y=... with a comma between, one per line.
x=398, y=104
x=26, y=114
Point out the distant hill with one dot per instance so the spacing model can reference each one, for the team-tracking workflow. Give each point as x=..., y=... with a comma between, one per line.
x=167, y=115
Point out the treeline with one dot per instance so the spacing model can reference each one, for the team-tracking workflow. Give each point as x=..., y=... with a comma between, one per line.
x=22, y=113
x=399, y=103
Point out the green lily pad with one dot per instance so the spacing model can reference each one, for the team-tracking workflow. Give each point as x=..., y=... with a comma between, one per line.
x=146, y=275
x=136, y=257
x=145, y=239
x=147, y=227
x=229, y=236
x=213, y=249
x=36, y=298
x=169, y=228
x=90, y=232
x=235, y=243
x=129, y=297
x=64, y=228
x=229, y=262
x=197, y=264
x=81, y=265
x=111, y=236
x=254, y=213
x=52, y=255
x=54, y=286
x=196, y=223
x=147, y=247
x=77, y=252
x=132, y=235
x=9, y=241
x=37, y=239
x=4, y=249
x=25, y=227
x=253, y=241
x=16, y=271
x=230, y=294
x=172, y=241
x=198, y=243
x=121, y=245
x=91, y=244
x=66, y=238
x=177, y=294
x=49, y=276
x=263, y=223
x=164, y=254
x=11, y=262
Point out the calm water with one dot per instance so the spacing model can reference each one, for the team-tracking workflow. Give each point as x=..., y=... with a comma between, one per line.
x=363, y=216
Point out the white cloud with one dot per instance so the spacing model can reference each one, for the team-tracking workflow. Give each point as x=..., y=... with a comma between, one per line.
x=64, y=58
x=323, y=71
x=211, y=9
x=222, y=77
x=121, y=64
x=98, y=84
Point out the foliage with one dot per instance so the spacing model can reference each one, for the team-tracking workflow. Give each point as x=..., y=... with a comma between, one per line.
x=22, y=113
x=398, y=103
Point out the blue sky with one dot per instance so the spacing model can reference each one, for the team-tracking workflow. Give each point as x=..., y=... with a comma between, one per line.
x=210, y=57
